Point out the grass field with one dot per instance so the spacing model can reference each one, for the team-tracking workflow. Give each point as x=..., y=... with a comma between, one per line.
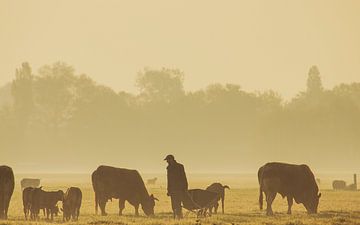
x=241, y=204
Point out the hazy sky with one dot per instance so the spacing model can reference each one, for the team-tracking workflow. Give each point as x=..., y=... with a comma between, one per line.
x=257, y=44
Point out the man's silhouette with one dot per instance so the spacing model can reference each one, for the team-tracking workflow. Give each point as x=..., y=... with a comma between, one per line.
x=177, y=185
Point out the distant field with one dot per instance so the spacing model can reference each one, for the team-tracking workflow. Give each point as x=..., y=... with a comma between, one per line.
x=241, y=205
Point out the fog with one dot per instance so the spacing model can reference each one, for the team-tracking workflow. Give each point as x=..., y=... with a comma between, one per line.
x=225, y=86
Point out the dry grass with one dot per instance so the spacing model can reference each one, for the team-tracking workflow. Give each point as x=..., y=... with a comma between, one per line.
x=336, y=208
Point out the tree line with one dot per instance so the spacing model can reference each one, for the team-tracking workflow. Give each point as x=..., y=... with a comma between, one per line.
x=58, y=112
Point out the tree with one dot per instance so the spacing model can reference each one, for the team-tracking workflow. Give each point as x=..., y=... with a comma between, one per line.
x=22, y=92
x=165, y=85
x=314, y=84
x=55, y=94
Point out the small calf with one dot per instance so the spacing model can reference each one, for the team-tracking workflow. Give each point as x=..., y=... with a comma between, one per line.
x=72, y=204
x=220, y=189
x=46, y=200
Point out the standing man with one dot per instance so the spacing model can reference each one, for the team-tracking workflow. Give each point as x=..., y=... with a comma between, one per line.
x=177, y=185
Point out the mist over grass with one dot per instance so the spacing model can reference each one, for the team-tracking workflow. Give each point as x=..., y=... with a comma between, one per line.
x=57, y=120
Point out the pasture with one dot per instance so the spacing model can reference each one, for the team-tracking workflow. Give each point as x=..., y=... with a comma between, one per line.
x=241, y=203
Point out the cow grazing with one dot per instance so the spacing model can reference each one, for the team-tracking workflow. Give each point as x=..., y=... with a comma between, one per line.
x=123, y=184
x=200, y=199
x=291, y=181
x=220, y=189
x=7, y=183
x=45, y=200
x=152, y=181
x=29, y=182
x=339, y=185
x=72, y=203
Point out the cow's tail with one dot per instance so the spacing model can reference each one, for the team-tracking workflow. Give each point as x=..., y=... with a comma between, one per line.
x=260, y=171
x=223, y=198
x=96, y=203
x=226, y=187
x=261, y=198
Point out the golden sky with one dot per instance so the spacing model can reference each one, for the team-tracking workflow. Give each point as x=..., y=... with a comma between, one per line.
x=257, y=44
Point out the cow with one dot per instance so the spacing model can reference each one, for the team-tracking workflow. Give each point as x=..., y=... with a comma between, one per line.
x=200, y=199
x=152, y=181
x=7, y=184
x=72, y=203
x=29, y=182
x=27, y=200
x=291, y=181
x=339, y=185
x=220, y=189
x=45, y=200
x=123, y=184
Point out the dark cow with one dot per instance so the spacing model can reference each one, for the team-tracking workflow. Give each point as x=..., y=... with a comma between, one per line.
x=29, y=182
x=199, y=199
x=291, y=181
x=339, y=185
x=72, y=203
x=7, y=183
x=123, y=184
x=45, y=200
x=220, y=189
x=27, y=200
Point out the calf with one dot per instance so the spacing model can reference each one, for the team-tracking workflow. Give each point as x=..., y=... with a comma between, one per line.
x=72, y=203
x=199, y=199
x=220, y=189
x=45, y=200
x=27, y=199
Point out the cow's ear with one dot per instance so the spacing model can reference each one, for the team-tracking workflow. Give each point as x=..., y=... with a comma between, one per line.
x=319, y=195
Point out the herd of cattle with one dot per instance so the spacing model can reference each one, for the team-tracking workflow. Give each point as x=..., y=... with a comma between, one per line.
x=295, y=182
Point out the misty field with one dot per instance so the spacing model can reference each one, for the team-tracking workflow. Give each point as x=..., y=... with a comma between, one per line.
x=241, y=204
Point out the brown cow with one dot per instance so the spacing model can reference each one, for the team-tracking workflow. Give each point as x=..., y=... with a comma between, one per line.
x=123, y=184
x=291, y=181
x=45, y=200
x=7, y=183
x=72, y=203
x=220, y=189
x=199, y=199
x=27, y=200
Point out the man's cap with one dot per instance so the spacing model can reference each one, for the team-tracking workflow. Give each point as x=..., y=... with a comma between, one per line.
x=169, y=157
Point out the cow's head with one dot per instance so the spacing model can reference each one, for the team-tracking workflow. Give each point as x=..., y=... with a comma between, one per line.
x=148, y=205
x=312, y=202
x=66, y=211
x=60, y=195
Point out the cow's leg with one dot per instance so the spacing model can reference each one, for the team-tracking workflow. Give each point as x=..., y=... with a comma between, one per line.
x=290, y=203
x=102, y=204
x=77, y=213
x=6, y=206
x=136, y=209
x=216, y=207
x=73, y=213
x=51, y=214
x=121, y=206
x=270, y=196
x=25, y=212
